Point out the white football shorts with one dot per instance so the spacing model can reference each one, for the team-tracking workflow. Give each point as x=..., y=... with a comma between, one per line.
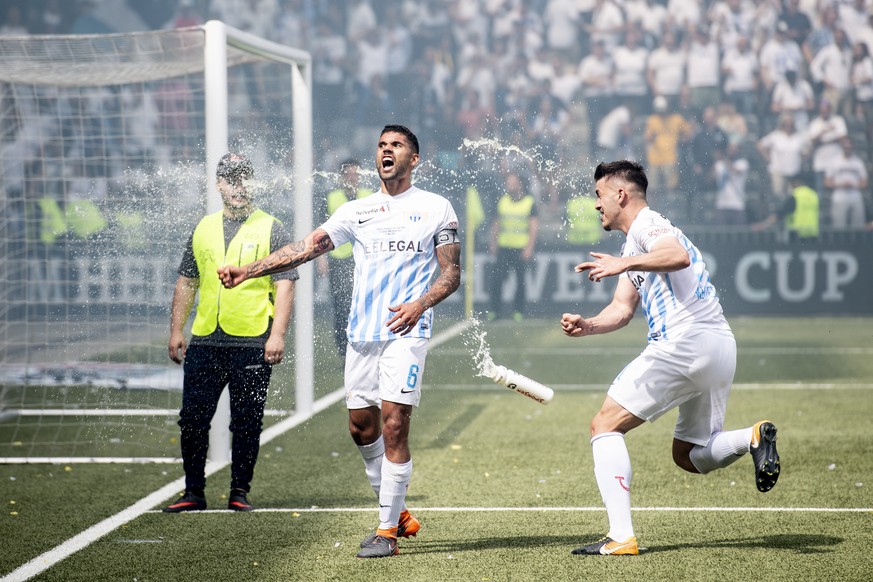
x=693, y=372
x=390, y=370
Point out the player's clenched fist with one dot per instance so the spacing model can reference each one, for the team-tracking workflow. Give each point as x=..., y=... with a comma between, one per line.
x=231, y=276
x=574, y=325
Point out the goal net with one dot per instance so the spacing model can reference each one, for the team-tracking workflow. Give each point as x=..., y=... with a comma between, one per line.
x=108, y=145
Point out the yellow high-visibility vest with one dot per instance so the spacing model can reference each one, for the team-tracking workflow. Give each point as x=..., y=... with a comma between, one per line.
x=335, y=199
x=515, y=218
x=804, y=219
x=246, y=309
x=583, y=221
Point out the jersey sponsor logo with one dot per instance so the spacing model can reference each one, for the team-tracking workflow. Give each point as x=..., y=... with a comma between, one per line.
x=393, y=246
x=368, y=213
x=658, y=231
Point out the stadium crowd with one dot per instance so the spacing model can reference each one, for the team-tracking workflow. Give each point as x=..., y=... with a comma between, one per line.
x=728, y=103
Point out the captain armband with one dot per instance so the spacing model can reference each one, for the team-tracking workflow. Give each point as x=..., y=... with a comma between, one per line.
x=446, y=236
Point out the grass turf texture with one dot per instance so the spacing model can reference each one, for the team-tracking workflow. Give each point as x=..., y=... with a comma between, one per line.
x=483, y=446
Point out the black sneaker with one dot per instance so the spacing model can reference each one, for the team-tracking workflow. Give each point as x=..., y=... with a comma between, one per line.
x=380, y=547
x=190, y=501
x=238, y=501
x=763, y=449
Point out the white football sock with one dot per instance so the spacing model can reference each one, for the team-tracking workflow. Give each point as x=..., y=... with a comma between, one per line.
x=612, y=469
x=373, y=455
x=392, y=494
x=723, y=449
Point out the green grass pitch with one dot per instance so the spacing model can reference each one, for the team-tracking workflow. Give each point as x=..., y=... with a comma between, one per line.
x=503, y=485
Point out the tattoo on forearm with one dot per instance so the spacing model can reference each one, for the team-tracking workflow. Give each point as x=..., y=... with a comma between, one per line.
x=292, y=255
x=449, y=279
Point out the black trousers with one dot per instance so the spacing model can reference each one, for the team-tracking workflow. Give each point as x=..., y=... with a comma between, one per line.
x=506, y=261
x=208, y=370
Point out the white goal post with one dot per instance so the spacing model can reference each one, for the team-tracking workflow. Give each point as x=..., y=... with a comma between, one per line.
x=108, y=145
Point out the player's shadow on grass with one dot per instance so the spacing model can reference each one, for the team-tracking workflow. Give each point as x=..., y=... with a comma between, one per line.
x=449, y=434
x=493, y=543
x=797, y=543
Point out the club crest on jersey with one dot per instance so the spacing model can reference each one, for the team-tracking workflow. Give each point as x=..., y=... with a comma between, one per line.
x=415, y=217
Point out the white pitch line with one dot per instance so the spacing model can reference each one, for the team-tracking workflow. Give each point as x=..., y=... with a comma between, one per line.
x=560, y=509
x=604, y=351
x=488, y=386
x=82, y=540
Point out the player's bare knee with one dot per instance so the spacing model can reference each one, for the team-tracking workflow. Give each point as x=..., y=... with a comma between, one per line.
x=682, y=458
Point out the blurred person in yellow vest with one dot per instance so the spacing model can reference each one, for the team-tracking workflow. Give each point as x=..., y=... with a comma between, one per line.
x=52, y=224
x=513, y=239
x=583, y=220
x=338, y=266
x=799, y=212
x=237, y=336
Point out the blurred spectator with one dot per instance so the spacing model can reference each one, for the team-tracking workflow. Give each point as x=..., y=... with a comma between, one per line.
x=830, y=68
x=793, y=96
x=823, y=34
x=847, y=177
x=513, y=239
x=397, y=67
x=665, y=71
x=663, y=134
x=797, y=22
x=582, y=220
x=292, y=27
x=561, y=20
x=731, y=177
x=703, y=71
x=732, y=123
x=329, y=54
x=778, y=55
x=615, y=132
x=798, y=213
x=184, y=16
x=13, y=23
x=853, y=17
x=731, y=20
x=473, y=116
x=783, y=149
x=707, y=145
x=607, y=23
x=629, y=74
x=740, y=68
x=51, y=21
x=824, y=134
x=685, y=15
x=595, y=74
x=360, y=21
x=649, y=17
x=862, y=85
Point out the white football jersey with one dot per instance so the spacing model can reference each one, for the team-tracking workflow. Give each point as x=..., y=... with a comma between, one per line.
x=394, y=242
x=672, y=302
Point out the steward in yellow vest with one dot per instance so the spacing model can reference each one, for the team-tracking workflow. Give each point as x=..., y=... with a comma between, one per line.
x=237, y=335
x=583, y=221
x=799, y=213
x=513, y=239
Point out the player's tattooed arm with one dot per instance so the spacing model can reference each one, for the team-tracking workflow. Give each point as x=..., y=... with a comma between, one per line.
x=291, y=255
x=284, y=259
x=449, y=279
